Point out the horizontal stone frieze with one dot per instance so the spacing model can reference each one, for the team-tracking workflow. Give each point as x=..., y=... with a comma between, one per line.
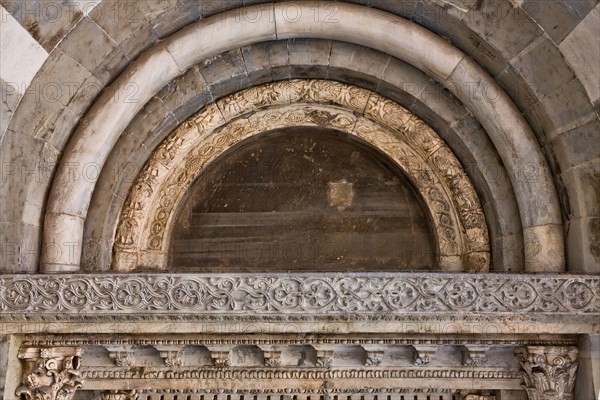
x=380, y=294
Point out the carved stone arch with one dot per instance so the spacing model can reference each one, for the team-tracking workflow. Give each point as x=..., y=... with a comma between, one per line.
x=148, y=213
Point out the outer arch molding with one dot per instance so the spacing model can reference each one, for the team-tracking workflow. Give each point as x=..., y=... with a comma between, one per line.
x=538, y=203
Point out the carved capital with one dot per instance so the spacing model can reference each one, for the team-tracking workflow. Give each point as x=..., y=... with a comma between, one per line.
x=49, y=373
x=548, y=372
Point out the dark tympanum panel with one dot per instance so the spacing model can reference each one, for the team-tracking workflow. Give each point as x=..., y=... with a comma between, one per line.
x=299, y=200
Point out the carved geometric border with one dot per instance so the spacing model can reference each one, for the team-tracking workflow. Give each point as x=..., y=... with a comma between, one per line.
x=147, y=215
x=271, y=295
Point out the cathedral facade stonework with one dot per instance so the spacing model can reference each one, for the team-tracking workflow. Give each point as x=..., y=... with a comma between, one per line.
x=300, y=200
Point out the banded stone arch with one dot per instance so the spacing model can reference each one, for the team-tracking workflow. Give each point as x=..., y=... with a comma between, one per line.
x=68, y=201
x=148, y=214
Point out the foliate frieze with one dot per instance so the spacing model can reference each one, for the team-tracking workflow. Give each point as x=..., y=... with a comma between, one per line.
x=145, y=219
x=382, y=295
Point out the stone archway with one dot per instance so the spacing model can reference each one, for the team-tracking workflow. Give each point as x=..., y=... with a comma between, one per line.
x=537, y=199
x=458, y=220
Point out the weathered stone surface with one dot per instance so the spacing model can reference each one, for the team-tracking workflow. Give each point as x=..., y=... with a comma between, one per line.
x=521, y=93
x=404, y=9
x=487, y=294
x=186, y=94
x=47, y=21
x=515, y=32
x=435, y=18
x=23, y=55
x=548, y=372
x=309, y=52
x=587, y=383
x=543, y=77
x=490, y=58
x=167, y=17
x=349, y=63
x=226, y=73
x=582, y=239
x=558, y=18
x=579, y=145
x=53, y=89
x=563, y=111
x=208, y=8
x=126, y=25
x=503, y=137
x=585, y=59
x=257, y=60
x=483, y=18
x=567, y=108
x=10, y=97
x=91, y=47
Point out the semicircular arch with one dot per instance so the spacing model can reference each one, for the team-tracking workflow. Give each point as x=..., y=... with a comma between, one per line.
x=458, y=219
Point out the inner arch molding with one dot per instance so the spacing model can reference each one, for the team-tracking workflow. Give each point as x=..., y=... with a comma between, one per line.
x=145, y=223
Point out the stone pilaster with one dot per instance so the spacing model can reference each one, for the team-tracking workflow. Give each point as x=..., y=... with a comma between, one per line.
x=548, y=372
x=49, y=373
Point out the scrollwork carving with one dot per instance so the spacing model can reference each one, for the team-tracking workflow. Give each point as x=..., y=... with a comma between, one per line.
x=314, y=294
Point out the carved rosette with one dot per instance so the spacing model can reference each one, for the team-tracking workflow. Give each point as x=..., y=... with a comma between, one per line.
x=147, y=216
x=50, y=373
x=548, y=372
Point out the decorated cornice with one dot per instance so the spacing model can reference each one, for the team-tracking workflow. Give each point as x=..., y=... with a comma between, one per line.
x=383, y=295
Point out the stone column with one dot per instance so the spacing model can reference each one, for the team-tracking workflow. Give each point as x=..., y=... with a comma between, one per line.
x=49, y=373
x=548, y=372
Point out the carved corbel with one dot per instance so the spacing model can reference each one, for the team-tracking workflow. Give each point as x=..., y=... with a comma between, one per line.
x=424, y=354
x=122, y=355
x=171, y=355
x=272, y=359
x=220, y=357
x=119, y=395
x=50, y=373
x=473, y=355
x=548, y=372
x=324, y=358
x=374, y=358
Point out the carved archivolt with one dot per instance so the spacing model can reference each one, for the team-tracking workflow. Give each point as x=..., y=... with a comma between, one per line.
x=146, y=219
